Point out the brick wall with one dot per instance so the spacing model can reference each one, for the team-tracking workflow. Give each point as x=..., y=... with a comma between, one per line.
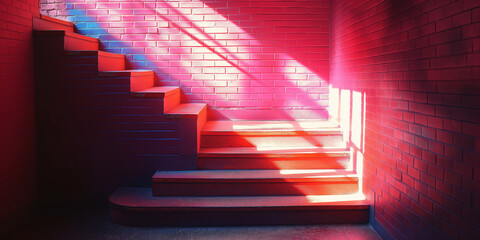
x=416, y=65
x=227, y=53
x=17, y=127
x=92, y=135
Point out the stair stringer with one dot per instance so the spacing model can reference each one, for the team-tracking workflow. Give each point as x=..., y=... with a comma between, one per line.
x=93, y=121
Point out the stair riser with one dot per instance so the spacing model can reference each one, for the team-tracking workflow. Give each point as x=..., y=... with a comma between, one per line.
x=79, y=64
x=210, y=141
x=138, y=83
x=273, y=163
x=254, y=188
x=223, y=217
x=107, y=63
x=171, y=101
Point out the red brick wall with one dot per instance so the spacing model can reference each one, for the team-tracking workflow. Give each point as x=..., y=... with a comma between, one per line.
x=17, y=126
x=417, y=64
x=227, y=53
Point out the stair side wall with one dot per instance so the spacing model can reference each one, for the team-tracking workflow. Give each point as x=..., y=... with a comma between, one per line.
x=17, y=113
x=93, y=136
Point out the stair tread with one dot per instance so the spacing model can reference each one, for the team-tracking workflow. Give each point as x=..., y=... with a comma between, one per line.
x=188, y=109
x=274, y=150
x=142, y=198
x=267, y=125
x=263, y=175
x=270, y=127
x=76, y=35
x=48, y=23
x=56, y=20
x=165, y=90
x=125, y=73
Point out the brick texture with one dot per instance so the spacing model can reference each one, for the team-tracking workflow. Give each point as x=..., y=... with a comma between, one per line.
x=17, y=113
x=98, y=137
x=229, y=54
x=416, y=64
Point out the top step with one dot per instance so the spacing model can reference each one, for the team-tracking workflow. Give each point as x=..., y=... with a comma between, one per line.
x=285, y=134
x=49, y=23
x=270, y=128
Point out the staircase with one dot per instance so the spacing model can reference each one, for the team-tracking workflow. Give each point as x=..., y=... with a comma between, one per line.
x=233, y=172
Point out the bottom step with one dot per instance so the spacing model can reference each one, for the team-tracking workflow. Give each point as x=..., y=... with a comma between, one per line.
x=137, y=207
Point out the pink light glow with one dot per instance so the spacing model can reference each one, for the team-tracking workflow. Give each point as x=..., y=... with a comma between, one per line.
x=262, y=62
x=348, y=107
x=254, y=63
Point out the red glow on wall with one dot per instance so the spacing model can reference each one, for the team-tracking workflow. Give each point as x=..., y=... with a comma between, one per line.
x=415, y=62
x=17, y=113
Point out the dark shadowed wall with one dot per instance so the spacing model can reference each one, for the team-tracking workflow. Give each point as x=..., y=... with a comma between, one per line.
x=17, y=113
x=417, y=66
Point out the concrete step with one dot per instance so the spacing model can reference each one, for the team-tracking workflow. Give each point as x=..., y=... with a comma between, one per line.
x=271, y=134
x=269, y=127
x=273, y=158
x=49, y=23
x=254, y=182
x=137, y=207
x=170, y=95
x=187, y=110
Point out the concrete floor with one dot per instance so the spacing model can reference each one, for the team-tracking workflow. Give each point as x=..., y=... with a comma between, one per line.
x=95, y=224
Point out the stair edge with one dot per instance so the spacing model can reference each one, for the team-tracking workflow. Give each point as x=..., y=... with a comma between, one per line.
x=194, y=112
x=149, y=201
